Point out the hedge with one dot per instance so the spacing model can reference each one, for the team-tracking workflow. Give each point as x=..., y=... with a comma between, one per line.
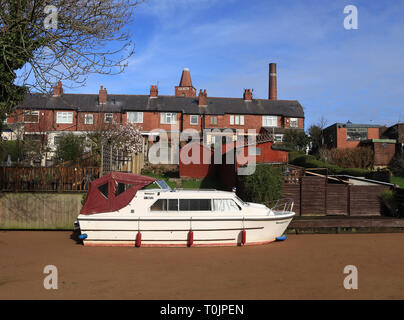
x=309, y=161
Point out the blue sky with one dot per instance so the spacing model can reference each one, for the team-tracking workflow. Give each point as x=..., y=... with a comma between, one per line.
x=339, y=74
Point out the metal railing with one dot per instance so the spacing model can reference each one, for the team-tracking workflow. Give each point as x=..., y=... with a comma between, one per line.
x=283, y=205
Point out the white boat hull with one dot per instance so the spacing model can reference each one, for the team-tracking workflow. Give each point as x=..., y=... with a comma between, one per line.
x=102, y=230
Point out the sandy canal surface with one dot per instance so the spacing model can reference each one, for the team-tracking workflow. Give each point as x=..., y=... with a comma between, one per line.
x=302, y=267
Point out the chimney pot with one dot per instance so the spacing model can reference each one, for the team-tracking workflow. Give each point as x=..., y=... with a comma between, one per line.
x=203, y=98
x=153, y=91
x=247, y=96
x=58, y=89
x=102, y=96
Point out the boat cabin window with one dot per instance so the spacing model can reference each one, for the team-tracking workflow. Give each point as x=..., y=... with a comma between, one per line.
x=195, y=205
x=104, y=190
x=121, y=188
x=165, y=205
x=225, y=205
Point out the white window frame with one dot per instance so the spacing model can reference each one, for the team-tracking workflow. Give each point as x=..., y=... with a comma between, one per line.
x=108, y=114
x=26, y=113
x=241, y=120
x=232, y=119
x=195, y=116
x=88, y=116
x=295, y=122
x=64, y=117
x=213, y=120
x=135, y=117
x=269, y=121
x=171, y=119
x=278, y=137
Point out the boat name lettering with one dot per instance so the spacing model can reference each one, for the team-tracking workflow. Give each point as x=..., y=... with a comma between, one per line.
x=148, y=197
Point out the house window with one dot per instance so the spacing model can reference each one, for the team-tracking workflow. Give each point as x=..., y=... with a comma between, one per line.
x=213, y=120
x=168, y=118
x=31, y=117
x=293, y=123
x=193, y=119
x=135, y=117
x=355, y=134
x=64, y=117
x=108, y=117
x=269, y=121
x=236, y=120
x=278, y=138
x=254, y=151
x=88, y=119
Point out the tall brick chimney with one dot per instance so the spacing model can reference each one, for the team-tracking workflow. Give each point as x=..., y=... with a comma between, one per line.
x=102, y=96
x=247, y=95
x=185, y=89
x=272, y=92
x=153, y=92
x=203, y=98
x=58, y=89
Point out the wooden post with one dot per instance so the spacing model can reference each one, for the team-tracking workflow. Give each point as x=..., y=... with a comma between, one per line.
x=349, y=200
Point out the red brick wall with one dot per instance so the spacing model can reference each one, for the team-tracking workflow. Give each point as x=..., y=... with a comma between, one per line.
x=342, y=142
x=384, y=153
x=196, y=170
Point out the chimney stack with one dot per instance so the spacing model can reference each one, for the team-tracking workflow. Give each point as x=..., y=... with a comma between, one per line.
x=102, y=96
x=153, y=92
x=203, y=98
x=58, y=89
x=247, y=95
x=272, y=93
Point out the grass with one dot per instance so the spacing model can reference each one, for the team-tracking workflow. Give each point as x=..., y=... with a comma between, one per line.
x=398, y=180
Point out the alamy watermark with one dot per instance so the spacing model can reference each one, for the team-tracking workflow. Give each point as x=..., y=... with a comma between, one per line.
x=51, y=20
x=351, y=280
x=229, y=147
x=351, y=20
x=51, y=280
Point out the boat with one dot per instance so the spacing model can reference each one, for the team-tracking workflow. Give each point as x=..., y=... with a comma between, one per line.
x=124, y=209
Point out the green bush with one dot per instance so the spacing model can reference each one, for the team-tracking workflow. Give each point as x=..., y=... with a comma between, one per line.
x=263, y=186
x=397, y=165
x=309, y=161
x=294, y=154
x=389, y=199
x=14, y=148
x=69, y=147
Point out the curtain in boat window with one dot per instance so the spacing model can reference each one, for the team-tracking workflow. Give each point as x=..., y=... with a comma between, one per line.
x=225, y=205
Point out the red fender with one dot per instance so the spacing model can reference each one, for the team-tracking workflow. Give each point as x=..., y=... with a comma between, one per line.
x=190, y=238
x=138, y=239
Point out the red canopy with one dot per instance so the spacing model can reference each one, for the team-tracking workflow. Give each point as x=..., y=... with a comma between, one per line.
x=113, y=192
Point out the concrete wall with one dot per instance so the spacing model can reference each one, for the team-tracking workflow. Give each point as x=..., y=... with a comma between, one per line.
x=39, y=210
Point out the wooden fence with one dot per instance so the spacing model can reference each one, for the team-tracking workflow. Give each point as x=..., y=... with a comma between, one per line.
x=314, y=196
x=51, y=179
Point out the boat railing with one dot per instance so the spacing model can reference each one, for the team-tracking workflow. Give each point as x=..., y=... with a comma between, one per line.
x=283, y=205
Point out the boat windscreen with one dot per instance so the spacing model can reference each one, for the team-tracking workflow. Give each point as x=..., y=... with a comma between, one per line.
x=163, y=185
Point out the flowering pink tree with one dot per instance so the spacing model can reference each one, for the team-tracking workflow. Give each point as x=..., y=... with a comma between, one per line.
x=125, y=138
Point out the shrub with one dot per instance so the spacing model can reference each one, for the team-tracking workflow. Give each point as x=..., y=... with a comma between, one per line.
x=69, y=147
x=296, y=139
x=263, y=186
x=309, y=161
x=397, y=165
x=360, y=157
x=14, y=148
x=389, y=200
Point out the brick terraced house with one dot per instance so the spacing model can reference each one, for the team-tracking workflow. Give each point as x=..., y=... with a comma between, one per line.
x=52, y=115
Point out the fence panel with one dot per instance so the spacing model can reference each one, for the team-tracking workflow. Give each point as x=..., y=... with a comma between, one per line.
x=337, y=199
x=313, y=196
x=51, y=179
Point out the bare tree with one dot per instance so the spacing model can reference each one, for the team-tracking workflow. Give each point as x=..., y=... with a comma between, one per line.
x=44, y=41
